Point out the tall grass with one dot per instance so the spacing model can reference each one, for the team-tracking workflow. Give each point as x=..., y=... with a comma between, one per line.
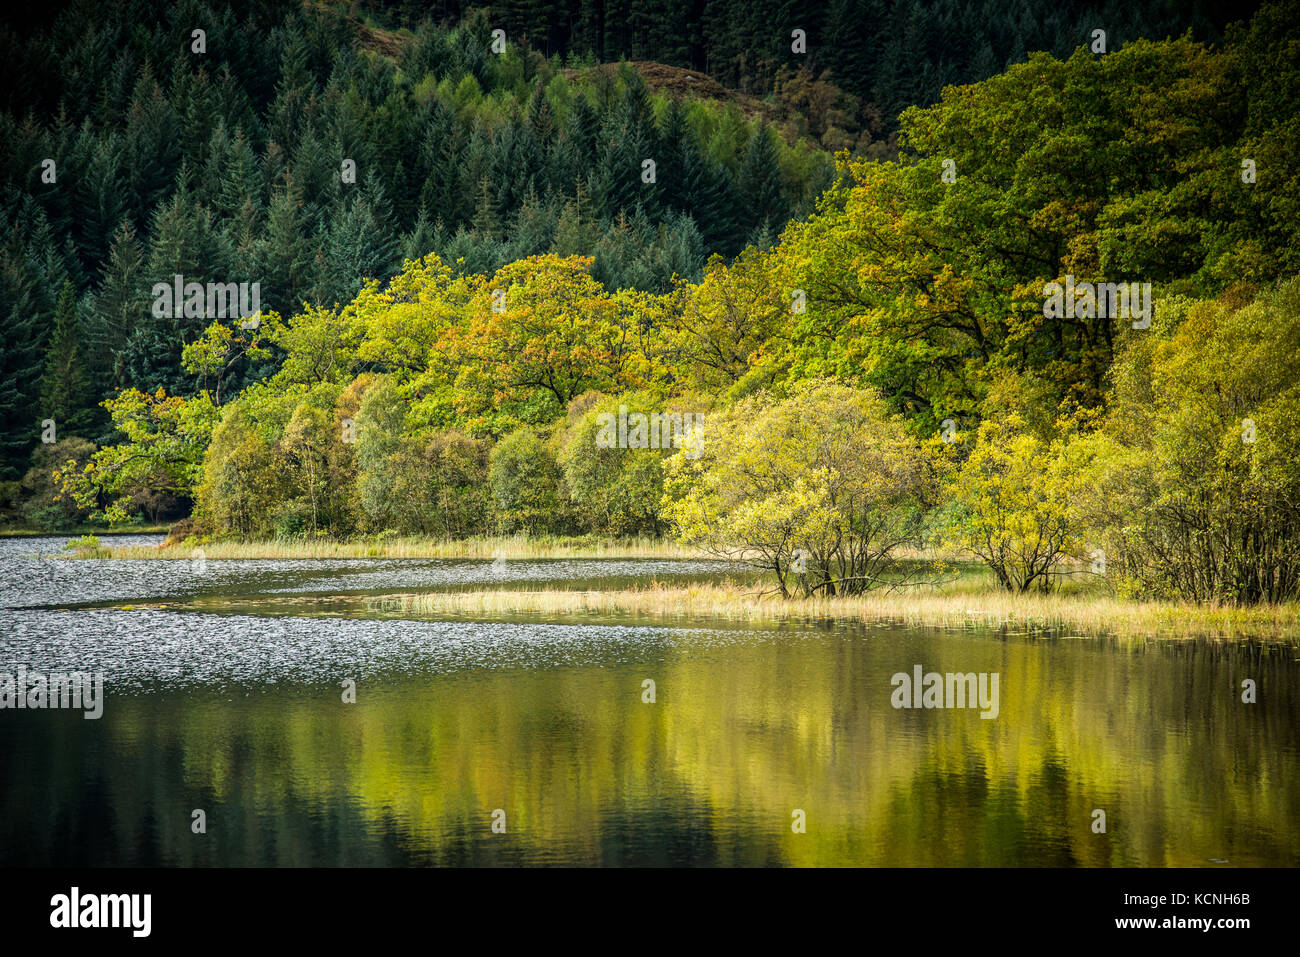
x=508, y=547
x=1058, y=614
x=966, y=596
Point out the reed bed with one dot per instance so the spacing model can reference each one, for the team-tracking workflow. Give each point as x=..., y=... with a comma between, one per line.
x=1061, y=615
x=965, y=598
x=508, y=547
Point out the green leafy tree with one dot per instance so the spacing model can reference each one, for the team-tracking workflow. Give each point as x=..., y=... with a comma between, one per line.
x=1012, y=504
x=525, y=480
x=43, y=505
x=616, y=490
x=821, y=488
x=1195, y=473
x=164, y=440
x=243, y=483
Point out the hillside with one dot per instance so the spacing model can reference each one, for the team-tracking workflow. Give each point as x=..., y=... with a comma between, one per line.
x=361, y=147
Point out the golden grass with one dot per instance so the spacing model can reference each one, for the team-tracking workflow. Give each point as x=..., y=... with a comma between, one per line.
x=508, y=547
x=967, y=600
x=1065, y=615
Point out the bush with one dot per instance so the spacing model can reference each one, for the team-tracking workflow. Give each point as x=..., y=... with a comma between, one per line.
x=243, y=483
x=616, y=491
x=424, y=483
x=86, y=547
x=1011, y=503
x=42, y=503
x=525, y=480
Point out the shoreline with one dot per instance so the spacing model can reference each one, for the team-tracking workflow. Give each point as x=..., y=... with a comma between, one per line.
x=1049, y=616
x=971, y=600
x=1079, y=616
x=96, y=530
x=506, y=547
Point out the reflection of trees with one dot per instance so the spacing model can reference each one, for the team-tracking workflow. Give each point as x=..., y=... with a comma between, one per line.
x=741, y=735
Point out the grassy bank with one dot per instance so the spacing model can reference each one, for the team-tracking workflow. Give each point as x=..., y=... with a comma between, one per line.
x=98, y=530
x=1063, y=614
x=507, y=547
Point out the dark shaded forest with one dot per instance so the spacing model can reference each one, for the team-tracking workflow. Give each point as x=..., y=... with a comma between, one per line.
x=475, y=238
x=128, y=158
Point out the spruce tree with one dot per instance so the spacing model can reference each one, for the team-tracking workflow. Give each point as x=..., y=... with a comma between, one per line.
x=761, y=190
x=421, y=239
x=20, y=359
x=65, y=386
x=710, y=196
x=120, y=305
x=286, y=254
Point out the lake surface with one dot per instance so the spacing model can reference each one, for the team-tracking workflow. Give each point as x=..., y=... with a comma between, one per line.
x=225, y=694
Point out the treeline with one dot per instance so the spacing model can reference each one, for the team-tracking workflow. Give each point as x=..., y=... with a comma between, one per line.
x=1184, y=485
x=889, y=54
x=889, y=372
x=305, y=153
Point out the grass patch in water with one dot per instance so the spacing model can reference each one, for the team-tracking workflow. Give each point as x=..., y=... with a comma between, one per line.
x=970, y=599
x=1058, y=614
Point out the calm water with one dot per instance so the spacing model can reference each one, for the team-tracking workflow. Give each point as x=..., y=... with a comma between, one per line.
x=223, y=692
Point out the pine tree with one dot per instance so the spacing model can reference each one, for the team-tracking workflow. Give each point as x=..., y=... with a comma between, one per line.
x=516, y=159
x=292, y=92
x=574, y=232
x=676, y=139
x=619, y=173
x=583, y=128
x=540, y=118
x=119, y=305
x=681, y=248
x=20, y=359
x=65, y=386
x=760, y=184
x=572, y=158
x=487, y=221
x=152, y=143
x=421, y=239
x=533, y=228
x=100, y=195
x=360, y=244
x=637, y=112
x=710, y=195
x=286, y=254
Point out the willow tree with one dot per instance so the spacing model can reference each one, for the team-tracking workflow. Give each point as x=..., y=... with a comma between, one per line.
x=820, y=487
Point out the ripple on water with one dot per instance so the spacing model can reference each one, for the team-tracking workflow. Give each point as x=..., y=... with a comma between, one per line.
x=32, y=577
x=149, y=649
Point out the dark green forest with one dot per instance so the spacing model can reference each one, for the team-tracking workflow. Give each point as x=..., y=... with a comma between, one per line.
x=670, y=169
x=170, y=162
x=890, y=54
x=129, y=158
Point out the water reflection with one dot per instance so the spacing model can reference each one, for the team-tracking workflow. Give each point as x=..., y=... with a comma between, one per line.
x=743, y=732
x=242, y=715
